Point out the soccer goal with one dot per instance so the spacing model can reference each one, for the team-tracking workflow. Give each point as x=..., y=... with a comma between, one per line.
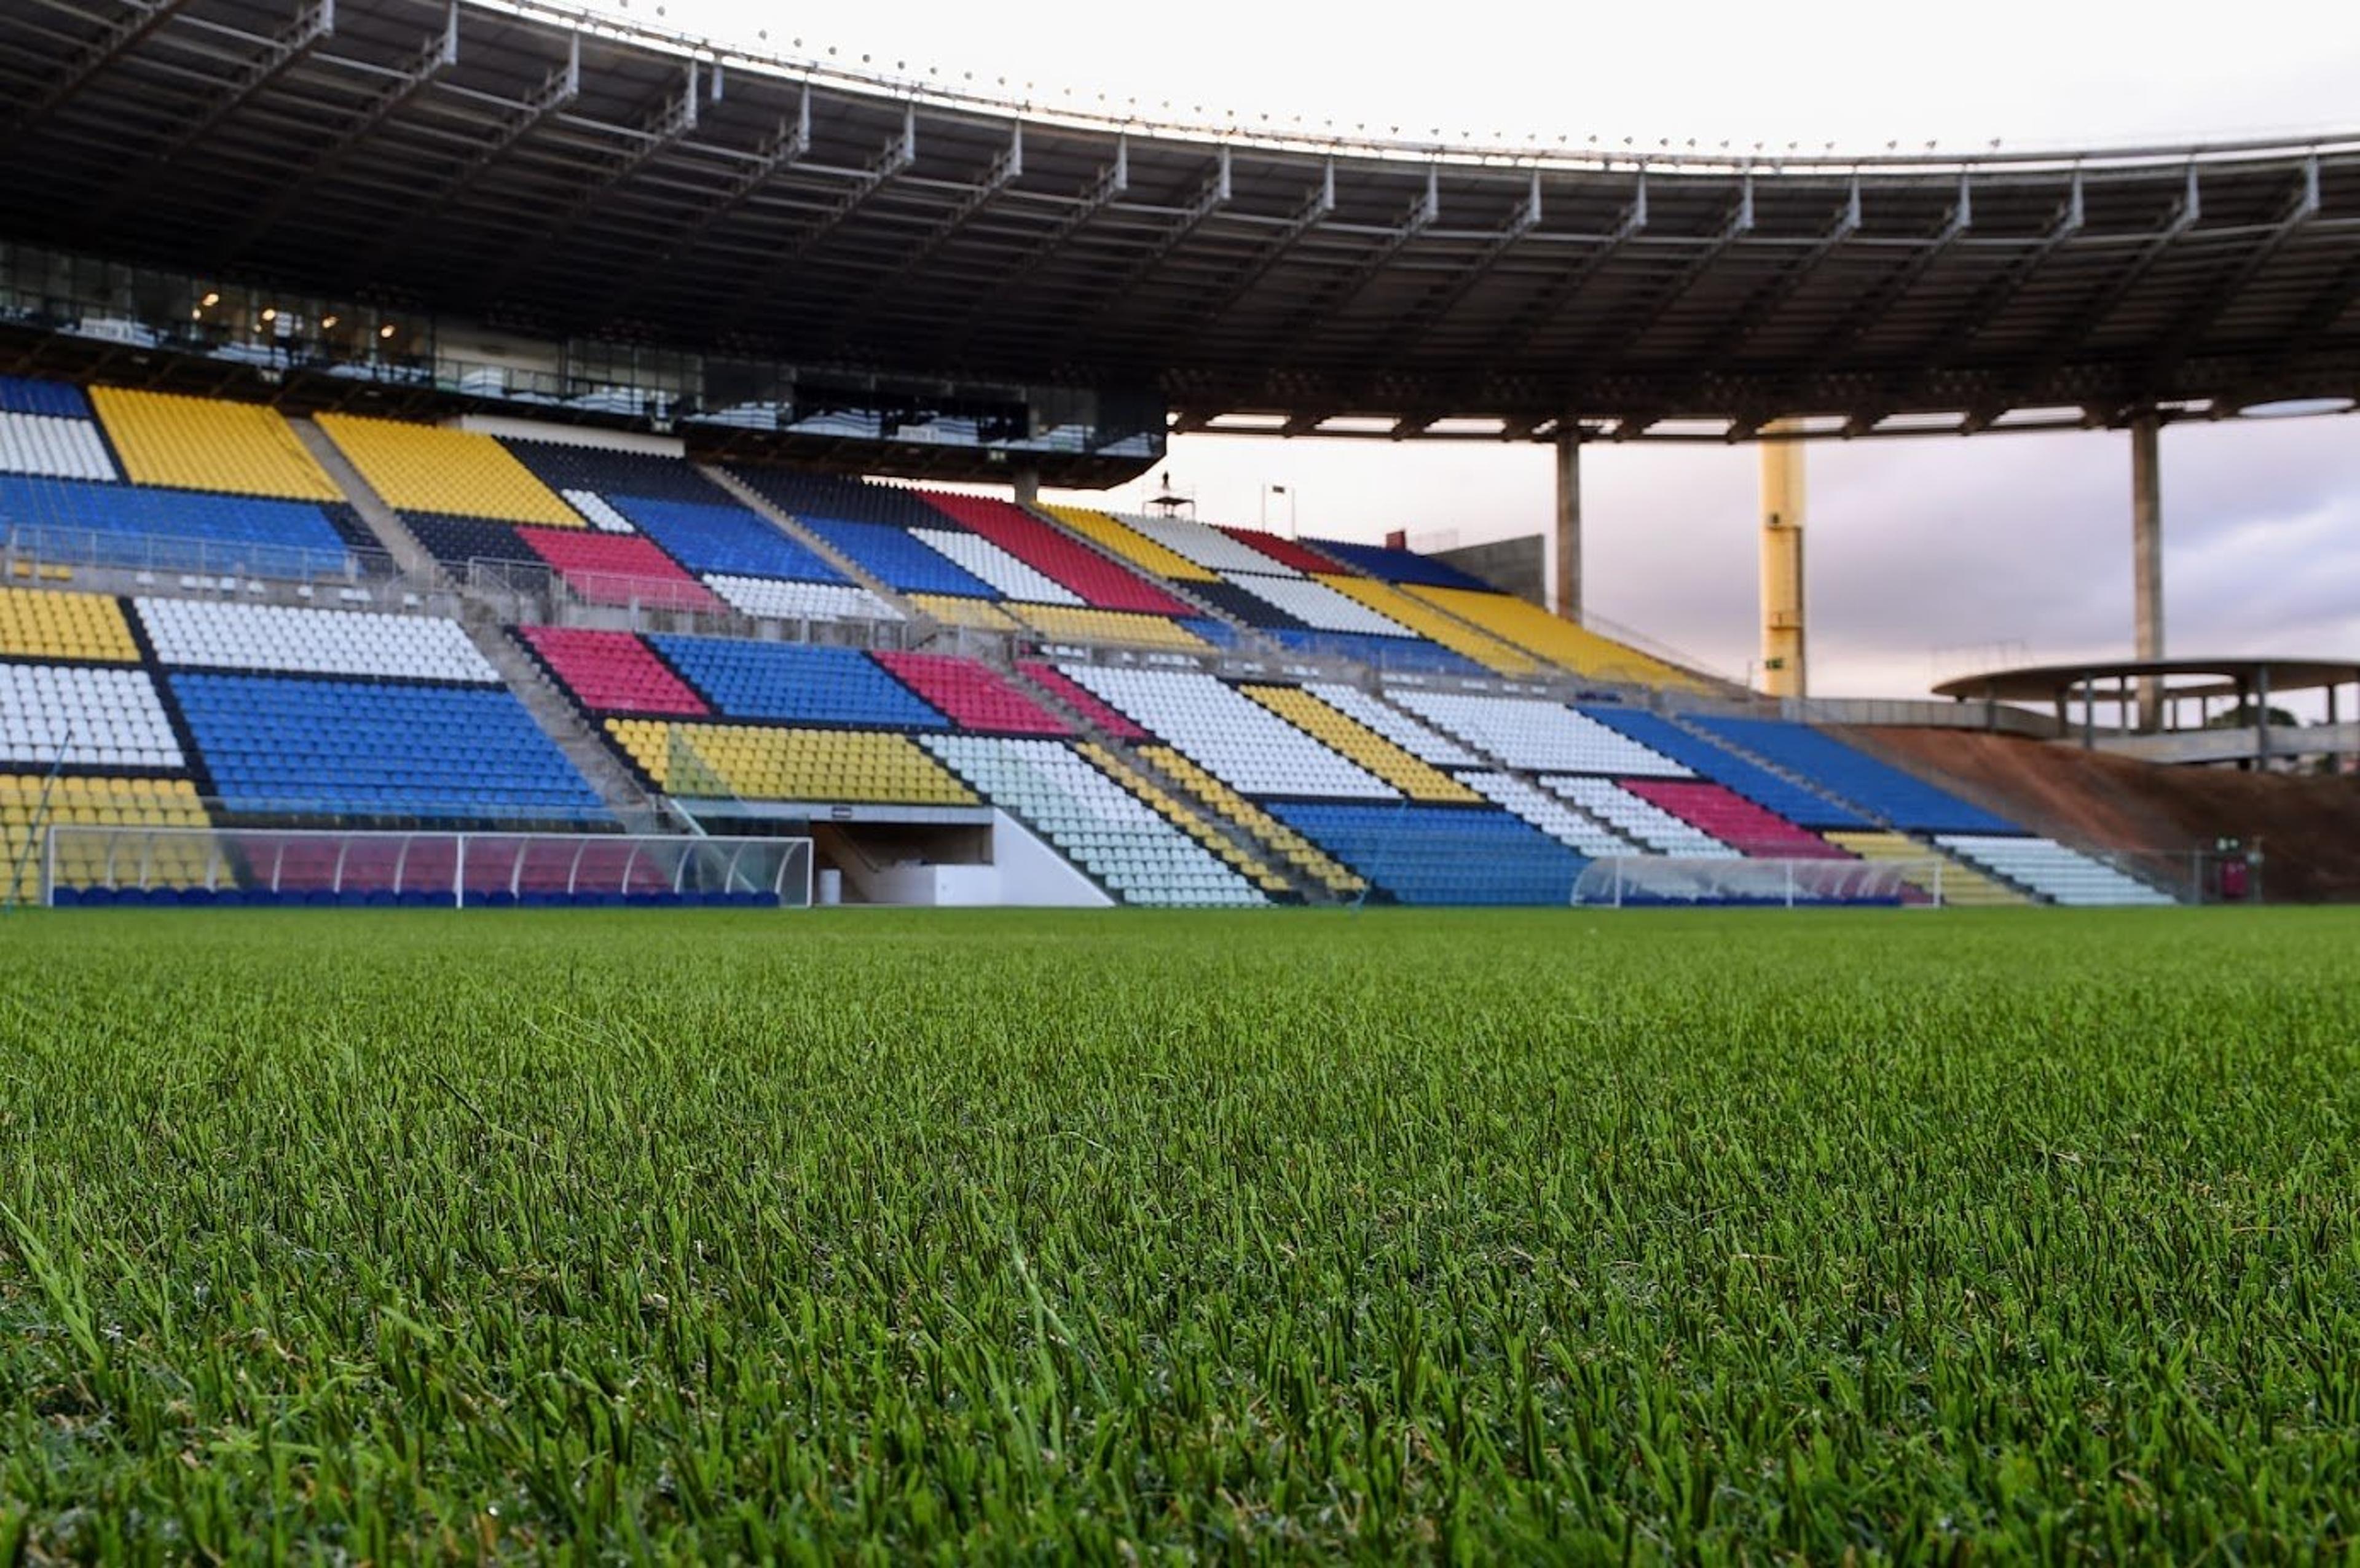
x=1642, y=881
x=84, y=865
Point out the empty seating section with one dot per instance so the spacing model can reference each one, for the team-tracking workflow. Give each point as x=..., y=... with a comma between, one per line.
x=1206, y=546
x=31, y=803
x=601, y=516
x=1421, y=742
x=1930, y=869
x=1733, y=820
x=1559, y=641
x=1780, y=796
x=1164, y=804
x=1544, y=737
x=46, y=399
x=1067, y=561
x=277, y=745
x=43, y=622
x=1283, y=841
x=973, y=695
x=1064, y=623
x=898, y=558
x=725, y=538
x=1079, y=699
x=981, y=615
x=1401, y=654
x=202, y=443
x=762, y=763
x=174, y=530
x=457, y=542
x=1642, y=822
x=1114, y=534
x=769, y=599
x=832, y=495
x=1391, y=565
x=1854, y=775
x=796, y=681
x=1096, y=824
x=1289, y=555
x=1549, y=814
x=83, y=717
x=2049, y=868
x=1007, y=577
x=1249, y=609
x=1480, y=647
x=1441, y=855
x=208, y=634
x=617, y=568
x=1315, y=605
x=1243, y=744
x=1381, y=757
x=55, y=446
x=607, y=471
x=611, y=672
x=427, y=468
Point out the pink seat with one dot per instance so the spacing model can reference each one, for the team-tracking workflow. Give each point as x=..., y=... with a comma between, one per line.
x=1099, y=582
x=1285, y=552
x=1735, y=821
x=972, y=695
x=612, y=672
x=1052, y=679
x=619, y=569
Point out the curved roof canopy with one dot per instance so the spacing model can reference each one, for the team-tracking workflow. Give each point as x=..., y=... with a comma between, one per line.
x=575, y=178
x=2229, y=676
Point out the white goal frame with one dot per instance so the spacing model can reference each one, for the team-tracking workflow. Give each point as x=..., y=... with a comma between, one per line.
x=1627, y=881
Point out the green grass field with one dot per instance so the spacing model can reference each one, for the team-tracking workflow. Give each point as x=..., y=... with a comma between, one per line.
x=865, y=1235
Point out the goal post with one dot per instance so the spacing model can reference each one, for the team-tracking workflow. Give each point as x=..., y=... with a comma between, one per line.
x=98, y=865
x=1634, y=881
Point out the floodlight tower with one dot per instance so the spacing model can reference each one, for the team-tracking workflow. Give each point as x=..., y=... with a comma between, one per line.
x=1784, y=673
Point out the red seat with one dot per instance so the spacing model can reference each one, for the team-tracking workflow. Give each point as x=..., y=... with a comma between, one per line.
x=972, y=695
x=1735, y=821
x=613, y=672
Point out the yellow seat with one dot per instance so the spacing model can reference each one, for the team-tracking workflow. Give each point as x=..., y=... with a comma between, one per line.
x=43, y=622
x=204, y=443
x=763, y=763
x=1413, y=777
x=1924, y=864
x=1180, y=817
x=1561, y=642
x=430, y=468
x=1131, y=544
x=979, y=615
x=1068, y=623
x=1282, y=841
x=82, y=860
x=1499, y=658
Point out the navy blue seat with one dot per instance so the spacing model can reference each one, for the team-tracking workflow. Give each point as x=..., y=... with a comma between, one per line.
x=793, y=681
x=1439, y=854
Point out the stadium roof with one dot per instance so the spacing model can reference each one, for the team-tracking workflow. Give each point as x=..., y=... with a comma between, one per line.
x=576, y=177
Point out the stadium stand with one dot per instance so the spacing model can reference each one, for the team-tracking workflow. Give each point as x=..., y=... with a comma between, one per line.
x=204, y=443
x=1002, y=573
x=1080, y=701
x=1780, y=797
x=83, y=716
x=1399, y=655
x=204, y=634
x=1874, y=787
x=1276, y=837
x=1425, y=744
x=1116, y=838
x=978, y=614
x=1748, y=828
x=135, y=526
x=1208, y=547
x=771, y=599
x=798, y=682
x=1659, y=831
x=807, y=495
x=752, y=762
x=603, y=471
x=1561, y=642
x=2057, y=874
x=1347, y=738
x=1552, y=816
x=611, y=672
x=1479, y=648
x=1125, y=540
x=430, y=468
x=617, y=568
x=972, y=695
x=1244, y=745
x=54, y=446
x=1543, y=737
x=1098, y=582
x=899, y=558
x=1289, y=555
x=1314, y=606
x=275, y=745
x=1439, y=854
x=1165, y=805
x=1399, y=566
x=32, y=803
x=50, y=623
x=1064, y=622
x=725, y=538
x=1931, y=869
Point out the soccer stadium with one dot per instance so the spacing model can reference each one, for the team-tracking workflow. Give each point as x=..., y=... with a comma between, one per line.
x=639, y=925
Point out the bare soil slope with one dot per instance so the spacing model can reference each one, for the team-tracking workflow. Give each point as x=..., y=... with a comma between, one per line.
x=2309, y=826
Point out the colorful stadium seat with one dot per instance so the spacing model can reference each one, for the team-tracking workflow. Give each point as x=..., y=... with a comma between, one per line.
x=1244, y=745
x=800, y=682
x=80, y=717
x=752, y=762
x=1123, y=539
x=1097, y=581
x=1440, y=854
x=205, y=443
x=45, y=622
x=973, y=695
x=1781, y=797
x=1372, y=751
x=183, y=530
x=1545, y=737
x=1743, y=825
x=430, y=468
x=725, y=538
x=617, y=568
x=206, y=633
x=611, y=672
x=1854, y=775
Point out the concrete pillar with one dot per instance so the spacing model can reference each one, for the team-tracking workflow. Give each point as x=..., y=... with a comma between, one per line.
x=2146, y=558
x=1784, y=669
x=2262, y=715
x=1563, y=544
x=1028, y=486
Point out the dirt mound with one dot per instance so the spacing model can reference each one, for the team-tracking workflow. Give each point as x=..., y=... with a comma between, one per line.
x=2309, y=826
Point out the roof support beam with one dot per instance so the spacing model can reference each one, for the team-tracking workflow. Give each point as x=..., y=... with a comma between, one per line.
x=898, y=154
x=779, y=152
x=2302, y=206
x=299, y=38
x=1767, y=301
x=1611, y=347
x=1416, y=220
x=2093, y=314
x=1889, y=291
x=1210, y=197
x=1007, y=167
x=1988, y=302
x=1315, y=208
x=141, y=18
x=1429, y=312
x=1567, y=285
x=438, y=53
x=1110, y=187
x=2323, y=310
x=673, y=119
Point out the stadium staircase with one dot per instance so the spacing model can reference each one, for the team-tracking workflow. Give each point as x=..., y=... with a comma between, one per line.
x=559, y=719
x=770, y=511
x=382, y=520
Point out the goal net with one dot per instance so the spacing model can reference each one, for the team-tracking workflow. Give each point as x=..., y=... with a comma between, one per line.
x=1637, y=881
x=173, y=866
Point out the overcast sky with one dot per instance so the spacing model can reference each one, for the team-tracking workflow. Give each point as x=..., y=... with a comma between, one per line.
x=1919, y=551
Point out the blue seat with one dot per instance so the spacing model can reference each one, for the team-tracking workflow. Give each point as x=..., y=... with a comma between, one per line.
x=1439, y=854
x=791, y=681
x=1906, y=802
